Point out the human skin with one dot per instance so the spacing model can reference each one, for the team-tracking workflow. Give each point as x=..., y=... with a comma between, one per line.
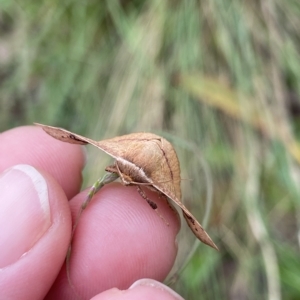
x=119, y=239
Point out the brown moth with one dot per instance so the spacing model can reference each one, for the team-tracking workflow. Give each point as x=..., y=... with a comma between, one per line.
x=140, y=159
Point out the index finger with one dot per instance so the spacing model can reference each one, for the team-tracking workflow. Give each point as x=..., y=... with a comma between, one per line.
x=31, y=145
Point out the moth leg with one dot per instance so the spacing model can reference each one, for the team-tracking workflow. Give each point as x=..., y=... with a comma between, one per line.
x=126, y=180
x=166, y=199
x=151, y=203
x=109, y=177
x=142, y=183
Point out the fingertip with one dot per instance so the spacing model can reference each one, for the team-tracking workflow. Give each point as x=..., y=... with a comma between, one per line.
x=146, y=289
x=152, y=287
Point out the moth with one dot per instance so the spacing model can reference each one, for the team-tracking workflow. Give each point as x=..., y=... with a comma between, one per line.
x=141, y=159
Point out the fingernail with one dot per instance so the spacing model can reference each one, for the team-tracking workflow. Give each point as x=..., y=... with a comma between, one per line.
x=156, y=285
x=24, y=211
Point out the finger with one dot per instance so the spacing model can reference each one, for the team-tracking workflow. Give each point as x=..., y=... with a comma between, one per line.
x=119, y=239
x=31, y=145
x=35, y=227
x=146, y=289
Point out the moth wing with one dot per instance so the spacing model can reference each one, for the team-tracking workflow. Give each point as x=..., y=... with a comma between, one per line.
x=195, y=226
x=126, y=146
x=70, y=137
x=197, y=229
x=64, y=135
x=166, y=174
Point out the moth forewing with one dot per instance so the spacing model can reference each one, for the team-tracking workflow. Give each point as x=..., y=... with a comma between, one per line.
x=64, y=135
x=70, y=137
x=167, y=172
x=194, y=225
x=198, y=230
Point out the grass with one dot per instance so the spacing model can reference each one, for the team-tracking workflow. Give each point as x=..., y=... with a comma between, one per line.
x=220, y=79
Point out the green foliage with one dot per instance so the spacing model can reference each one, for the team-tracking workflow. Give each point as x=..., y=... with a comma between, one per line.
x=220, y=79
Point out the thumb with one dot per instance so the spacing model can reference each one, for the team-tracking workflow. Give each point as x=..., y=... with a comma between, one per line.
x=35, y=228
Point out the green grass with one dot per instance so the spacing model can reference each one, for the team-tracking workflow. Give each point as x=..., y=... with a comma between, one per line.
x=220, y=79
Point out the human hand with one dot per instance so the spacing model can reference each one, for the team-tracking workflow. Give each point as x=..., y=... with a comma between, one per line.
x=119, y=238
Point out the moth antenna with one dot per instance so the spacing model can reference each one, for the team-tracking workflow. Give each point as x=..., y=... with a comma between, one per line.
x=151, y=203
x=142, y=183
x=121, y=174
x=186, y=179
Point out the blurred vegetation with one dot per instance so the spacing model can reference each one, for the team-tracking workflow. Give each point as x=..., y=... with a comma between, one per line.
x=218, y=78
